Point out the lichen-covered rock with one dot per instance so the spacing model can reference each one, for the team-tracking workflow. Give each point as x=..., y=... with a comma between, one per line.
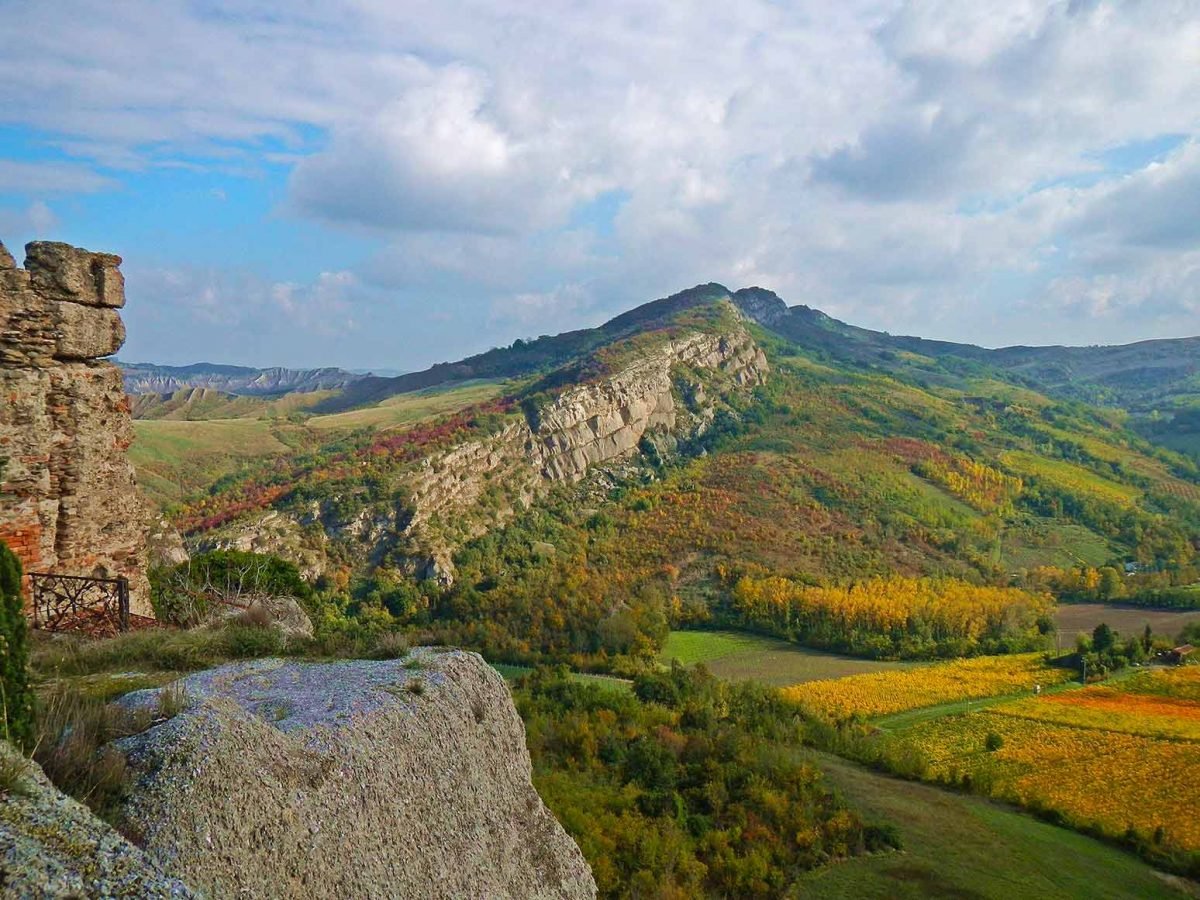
x=71, y=502
x=52, y=846
x=349, y=779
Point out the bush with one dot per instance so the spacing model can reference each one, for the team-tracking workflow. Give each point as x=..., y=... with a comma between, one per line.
x=184, y=594
x=15, y=695
x=993, y=742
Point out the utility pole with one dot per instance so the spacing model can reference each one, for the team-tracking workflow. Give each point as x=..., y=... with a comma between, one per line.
x=1084, y=660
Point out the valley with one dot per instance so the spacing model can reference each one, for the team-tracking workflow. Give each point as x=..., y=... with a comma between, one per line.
x=876, y=548
x=600, y=451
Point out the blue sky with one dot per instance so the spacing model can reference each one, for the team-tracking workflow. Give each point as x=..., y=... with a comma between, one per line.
x=371, y=184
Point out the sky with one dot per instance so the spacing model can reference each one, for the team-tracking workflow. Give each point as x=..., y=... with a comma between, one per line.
x=392, y=183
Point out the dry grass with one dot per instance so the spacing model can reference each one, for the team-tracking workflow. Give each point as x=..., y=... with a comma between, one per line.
x=73, y=742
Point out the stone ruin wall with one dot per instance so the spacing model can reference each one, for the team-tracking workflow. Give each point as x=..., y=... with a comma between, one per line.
x=68, y=498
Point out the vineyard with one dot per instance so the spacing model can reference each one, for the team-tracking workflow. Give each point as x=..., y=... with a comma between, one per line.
x=884, y=693
x=1093, y=777
x=1117, y=758
x=1114, y=710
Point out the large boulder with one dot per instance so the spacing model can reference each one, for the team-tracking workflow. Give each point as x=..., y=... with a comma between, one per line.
x=404, y=778
x=52, y=846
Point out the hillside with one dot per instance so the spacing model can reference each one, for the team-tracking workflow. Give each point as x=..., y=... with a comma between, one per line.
x=1158, y=381
x=699, y=440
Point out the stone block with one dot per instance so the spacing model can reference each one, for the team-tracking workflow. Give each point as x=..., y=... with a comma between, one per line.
x=62, y=272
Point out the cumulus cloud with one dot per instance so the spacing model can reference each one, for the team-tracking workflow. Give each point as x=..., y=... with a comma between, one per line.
x=959, y=169
x=180, y=314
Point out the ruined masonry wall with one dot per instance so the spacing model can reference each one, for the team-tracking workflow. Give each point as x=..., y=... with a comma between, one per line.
x=68, y=498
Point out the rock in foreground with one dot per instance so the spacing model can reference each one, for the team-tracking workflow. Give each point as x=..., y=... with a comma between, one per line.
x=406, y=778
x=52, y=846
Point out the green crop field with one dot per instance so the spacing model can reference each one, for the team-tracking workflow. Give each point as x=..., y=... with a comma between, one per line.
x=966, y=847
x=737, y=656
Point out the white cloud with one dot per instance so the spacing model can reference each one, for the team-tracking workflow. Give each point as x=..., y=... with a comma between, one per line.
x=920, y=165
x=46, y=178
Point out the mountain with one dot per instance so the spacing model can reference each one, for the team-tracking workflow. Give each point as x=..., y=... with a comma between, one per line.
x=706, y=432
x=1140, y=377
x=149, y=378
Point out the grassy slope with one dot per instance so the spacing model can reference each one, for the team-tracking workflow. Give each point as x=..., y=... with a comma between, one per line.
x=737, y=656
x=960, y=846
x=177, y=458
x=407, y=409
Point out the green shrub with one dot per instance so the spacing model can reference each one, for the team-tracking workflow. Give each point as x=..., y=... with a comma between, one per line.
x=184, y=594
x=16, y=698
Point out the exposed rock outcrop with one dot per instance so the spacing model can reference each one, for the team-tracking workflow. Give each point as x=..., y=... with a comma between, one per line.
x=584, y=426
x=666, y=391
x=68, y=500
x=52, y=846
x=147, y=378
x=283, y=613
x=349, y=779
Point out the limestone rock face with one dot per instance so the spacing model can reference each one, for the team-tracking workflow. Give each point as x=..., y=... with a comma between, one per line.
x=669, y=391
x=68, y=499
x=404, y=778
x=52, y=846
x=585, y=426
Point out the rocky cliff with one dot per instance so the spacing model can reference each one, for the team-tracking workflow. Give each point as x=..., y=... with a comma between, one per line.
x=68, y=500
x=403, y=778
x=663, y=393
x=668, y=391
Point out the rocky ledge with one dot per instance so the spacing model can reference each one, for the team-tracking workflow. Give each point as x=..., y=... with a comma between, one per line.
x=405, y=778
x=71, y=504
x=52, y=846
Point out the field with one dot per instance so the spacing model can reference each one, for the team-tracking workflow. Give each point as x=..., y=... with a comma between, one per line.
x=737, y=656
x=176, y=458
x=1094, y=777
x=884, y=693
x=406, y=409
x=956, y=846
x=1074, y=618
x=1112, y=709
x=1118, y=758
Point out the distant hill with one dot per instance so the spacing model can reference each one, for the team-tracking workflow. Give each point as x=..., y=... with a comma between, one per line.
x=149, y=378
x=1147, y=375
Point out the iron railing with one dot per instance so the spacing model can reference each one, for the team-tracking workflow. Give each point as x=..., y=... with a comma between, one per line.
x=79, y=603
